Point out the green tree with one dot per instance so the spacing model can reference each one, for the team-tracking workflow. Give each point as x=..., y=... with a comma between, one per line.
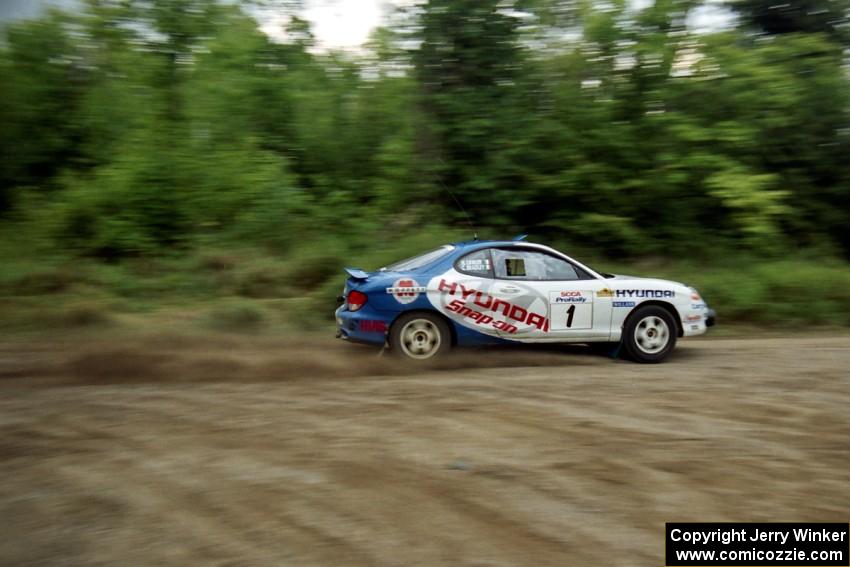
x=466, y=68
x=41, y=90
x=797, y=16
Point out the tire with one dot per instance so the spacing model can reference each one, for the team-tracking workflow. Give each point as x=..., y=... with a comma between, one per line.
x=420, y=336
x=649, y=335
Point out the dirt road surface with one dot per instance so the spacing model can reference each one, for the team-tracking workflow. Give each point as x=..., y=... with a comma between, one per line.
x=236, y=452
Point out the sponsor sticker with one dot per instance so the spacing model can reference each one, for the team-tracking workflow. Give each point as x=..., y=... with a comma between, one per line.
x=605, y=293
x=470, y=303
x=372, y=326
x=646, y=293
x=690, y=318
x=406, y=290
x=624, y=303
x=570, y=296
x=698, y=305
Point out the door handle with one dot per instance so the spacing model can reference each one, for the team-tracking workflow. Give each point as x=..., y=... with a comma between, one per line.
x=509, y=289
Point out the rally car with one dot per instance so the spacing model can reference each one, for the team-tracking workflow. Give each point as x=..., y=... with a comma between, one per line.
x=485, y=292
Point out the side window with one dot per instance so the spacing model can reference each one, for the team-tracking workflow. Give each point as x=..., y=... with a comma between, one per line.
x=476, y=264
x=531, y=265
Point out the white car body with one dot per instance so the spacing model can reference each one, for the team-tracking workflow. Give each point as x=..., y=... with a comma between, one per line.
x=598, y=307
x=481, y=292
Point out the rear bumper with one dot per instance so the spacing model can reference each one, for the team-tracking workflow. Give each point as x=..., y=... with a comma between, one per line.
x=364, y=326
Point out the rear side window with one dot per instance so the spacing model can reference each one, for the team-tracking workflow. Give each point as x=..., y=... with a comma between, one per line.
x=476, y=264
x=420, y=260
x=532, y=265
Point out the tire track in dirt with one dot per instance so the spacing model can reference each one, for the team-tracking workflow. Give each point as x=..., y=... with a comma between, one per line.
x=577, y=463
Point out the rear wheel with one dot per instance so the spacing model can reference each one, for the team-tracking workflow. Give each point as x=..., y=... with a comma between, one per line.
x=650, y=334
x=420, y=336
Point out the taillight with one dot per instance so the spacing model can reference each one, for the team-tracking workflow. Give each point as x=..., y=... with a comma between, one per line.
x=356, y=300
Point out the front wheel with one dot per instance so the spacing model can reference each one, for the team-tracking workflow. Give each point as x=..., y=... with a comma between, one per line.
x=650, y=334
x=420, y=336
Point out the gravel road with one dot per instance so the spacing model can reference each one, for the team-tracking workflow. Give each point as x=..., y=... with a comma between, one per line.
x=216, y=451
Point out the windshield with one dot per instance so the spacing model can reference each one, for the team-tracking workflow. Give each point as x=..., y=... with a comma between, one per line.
x=418, y=261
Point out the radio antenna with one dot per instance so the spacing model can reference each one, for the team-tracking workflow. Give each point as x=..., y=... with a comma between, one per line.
x=458, y=203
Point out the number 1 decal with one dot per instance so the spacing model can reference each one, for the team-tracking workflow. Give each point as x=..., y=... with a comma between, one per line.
x=570, y=312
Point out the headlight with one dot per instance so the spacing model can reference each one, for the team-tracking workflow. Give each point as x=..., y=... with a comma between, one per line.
x=695, y=296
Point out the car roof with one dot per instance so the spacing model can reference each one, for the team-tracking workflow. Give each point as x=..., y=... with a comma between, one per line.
x=490, y=243
x=472, y=245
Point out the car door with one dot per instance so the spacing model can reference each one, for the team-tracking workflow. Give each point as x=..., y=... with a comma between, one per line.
x=469, y=295
x=576, y=305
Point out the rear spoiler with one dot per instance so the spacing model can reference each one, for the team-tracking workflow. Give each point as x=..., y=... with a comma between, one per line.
x=357, y=273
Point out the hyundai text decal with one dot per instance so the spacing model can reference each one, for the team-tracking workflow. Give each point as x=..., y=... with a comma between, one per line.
x=482, y=308
x=656, y=293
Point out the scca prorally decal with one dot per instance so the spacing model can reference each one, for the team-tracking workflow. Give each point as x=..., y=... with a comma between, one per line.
x=406, y=290
x=471, y=303
x=645, y=293
x=568, y=297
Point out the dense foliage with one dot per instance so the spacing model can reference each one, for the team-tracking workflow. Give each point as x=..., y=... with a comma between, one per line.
x=137, y=125
x=149, y=128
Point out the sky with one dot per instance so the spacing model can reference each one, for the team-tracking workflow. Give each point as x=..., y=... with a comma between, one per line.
x=337, y=24
x=18, y=9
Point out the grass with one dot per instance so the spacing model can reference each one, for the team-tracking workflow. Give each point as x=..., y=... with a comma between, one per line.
x=251, y=290
x=237, y=315
x=767, y=293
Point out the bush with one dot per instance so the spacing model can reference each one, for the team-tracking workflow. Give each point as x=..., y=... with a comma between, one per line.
x=45, y=282
x=237, y=316
x=217, y=262
x=776, y=293
x=84, y=315
x=313, y=263
x=264, y=283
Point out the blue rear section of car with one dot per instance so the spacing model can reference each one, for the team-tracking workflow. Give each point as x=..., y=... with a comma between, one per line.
x=371, y=323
